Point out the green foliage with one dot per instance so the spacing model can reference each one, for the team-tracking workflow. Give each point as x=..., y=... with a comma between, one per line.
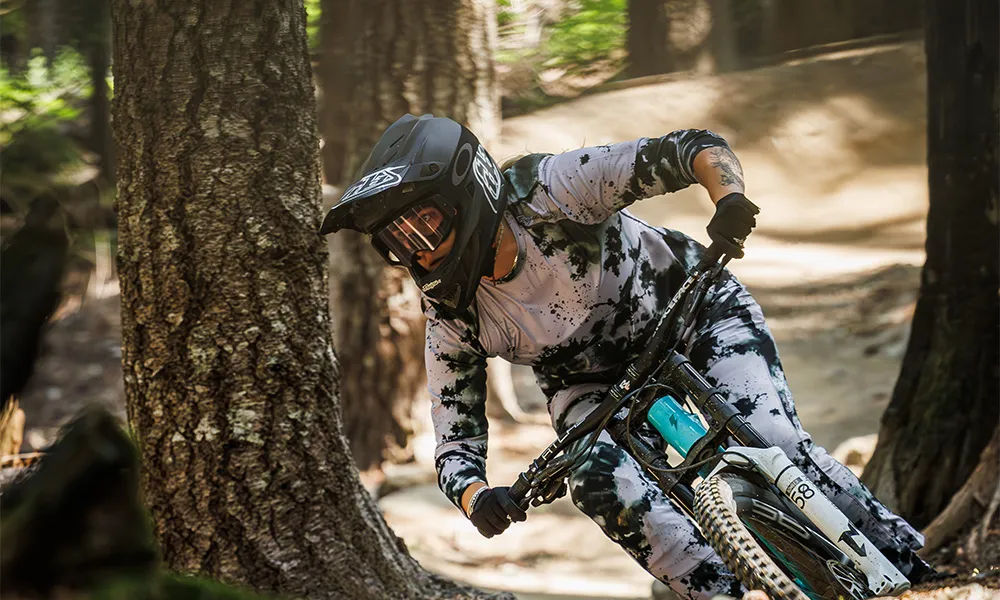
x=313, y=13
x=595, y=30
x=505, y=16
x=35, y=107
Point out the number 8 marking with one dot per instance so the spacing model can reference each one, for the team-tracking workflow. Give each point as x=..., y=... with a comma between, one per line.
x=801, y=494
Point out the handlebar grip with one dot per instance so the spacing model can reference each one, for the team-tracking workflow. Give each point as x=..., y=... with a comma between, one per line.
x=712, y=255
x=519, y=490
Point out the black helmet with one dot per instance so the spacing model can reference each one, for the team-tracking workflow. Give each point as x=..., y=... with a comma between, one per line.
x=425, y=177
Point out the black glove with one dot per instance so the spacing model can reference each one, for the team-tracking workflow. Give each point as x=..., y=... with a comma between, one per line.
x=494, y=511
x=732, y=223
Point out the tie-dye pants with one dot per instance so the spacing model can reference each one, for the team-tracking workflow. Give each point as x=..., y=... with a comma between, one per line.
x=734, y=350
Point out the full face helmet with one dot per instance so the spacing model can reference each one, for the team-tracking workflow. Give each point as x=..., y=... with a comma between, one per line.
x=425, y=178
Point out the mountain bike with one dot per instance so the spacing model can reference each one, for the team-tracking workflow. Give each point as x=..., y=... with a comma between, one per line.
x=768, y=522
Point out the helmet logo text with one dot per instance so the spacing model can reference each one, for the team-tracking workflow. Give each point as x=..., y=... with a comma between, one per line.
x=487, y=175
x=430, y=286
x=375, y=182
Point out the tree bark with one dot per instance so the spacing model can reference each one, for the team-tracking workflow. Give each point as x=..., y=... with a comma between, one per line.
x=944, y=408
x=681, y=35
x=99, y=55
x=379, y=335
x=969, y=503
x=796, y=24
x=646, y=38
x=387, y=57
x=230, y=373
x=48, y=38
x=724, y=37
x=381, y=60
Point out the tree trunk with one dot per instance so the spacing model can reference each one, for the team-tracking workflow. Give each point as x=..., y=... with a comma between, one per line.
x=379, y=335
x=380, y=61
x=796, y=24
x=944, y=407
x=680, y=35
x=99, y=55
x=230, y=373
x=48, y=38
x=646, y=38
x=724, y=38
x=384, y=59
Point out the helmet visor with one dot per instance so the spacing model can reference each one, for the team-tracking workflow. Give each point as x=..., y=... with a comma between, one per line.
x=422, y=227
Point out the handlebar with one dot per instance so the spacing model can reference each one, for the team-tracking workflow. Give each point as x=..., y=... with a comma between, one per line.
x=712, y=255
x=519, y=491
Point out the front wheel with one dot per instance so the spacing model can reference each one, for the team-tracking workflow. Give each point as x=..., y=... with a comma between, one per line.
x=768, y=547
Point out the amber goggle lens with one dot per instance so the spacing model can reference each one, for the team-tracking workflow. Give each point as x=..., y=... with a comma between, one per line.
x=421, y=227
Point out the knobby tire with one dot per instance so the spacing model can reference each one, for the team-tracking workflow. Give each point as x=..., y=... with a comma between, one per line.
x=715, y=510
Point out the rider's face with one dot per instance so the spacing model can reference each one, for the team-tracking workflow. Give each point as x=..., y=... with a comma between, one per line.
x=430, y=259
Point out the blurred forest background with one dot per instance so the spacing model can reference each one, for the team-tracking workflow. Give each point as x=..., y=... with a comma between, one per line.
x=825, y=101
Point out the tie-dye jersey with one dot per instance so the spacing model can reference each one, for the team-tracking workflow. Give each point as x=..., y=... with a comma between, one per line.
x=579, y=303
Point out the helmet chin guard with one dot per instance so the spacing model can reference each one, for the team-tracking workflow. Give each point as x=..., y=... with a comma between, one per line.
x=419, y=159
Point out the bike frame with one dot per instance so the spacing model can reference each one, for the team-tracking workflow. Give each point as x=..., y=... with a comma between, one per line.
x=660, y=367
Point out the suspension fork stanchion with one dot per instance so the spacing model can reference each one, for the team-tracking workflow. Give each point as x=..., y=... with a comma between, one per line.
x=710, y=402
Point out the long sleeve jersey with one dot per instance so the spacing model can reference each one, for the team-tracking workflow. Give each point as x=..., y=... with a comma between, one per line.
x=580, y=301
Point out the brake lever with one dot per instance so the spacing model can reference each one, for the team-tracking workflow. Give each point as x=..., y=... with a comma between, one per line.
x=553, y=491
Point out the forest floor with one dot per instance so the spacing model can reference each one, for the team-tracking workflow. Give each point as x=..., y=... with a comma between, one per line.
x=834, y=154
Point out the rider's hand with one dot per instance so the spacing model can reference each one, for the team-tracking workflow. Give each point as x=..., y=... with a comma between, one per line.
x=732, y=223
x=493, y=512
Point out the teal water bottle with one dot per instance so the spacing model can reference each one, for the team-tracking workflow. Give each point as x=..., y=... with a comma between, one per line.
x=678, y=427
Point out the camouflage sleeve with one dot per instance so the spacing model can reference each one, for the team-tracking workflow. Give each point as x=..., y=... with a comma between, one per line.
x=456, y=378
x=590, y=184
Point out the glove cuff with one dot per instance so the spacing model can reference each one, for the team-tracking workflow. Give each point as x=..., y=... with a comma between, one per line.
x=475, y=496
x=733, y=196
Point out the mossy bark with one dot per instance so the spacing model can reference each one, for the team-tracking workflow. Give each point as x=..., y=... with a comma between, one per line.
x=944, y=408
x=230, y=373
x=380, y=61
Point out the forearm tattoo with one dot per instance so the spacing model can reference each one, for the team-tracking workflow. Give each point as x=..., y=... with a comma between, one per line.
x=726, y=162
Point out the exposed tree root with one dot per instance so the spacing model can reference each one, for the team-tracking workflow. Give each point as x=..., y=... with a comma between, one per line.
x=981, y=492
x=978, y=534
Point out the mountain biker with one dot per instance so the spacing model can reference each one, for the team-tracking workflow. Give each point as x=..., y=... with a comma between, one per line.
x=542, y=265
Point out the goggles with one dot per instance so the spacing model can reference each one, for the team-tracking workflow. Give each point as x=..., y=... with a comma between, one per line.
x=422, y=227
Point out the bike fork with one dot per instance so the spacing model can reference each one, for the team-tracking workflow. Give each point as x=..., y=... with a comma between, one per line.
x=772, y=463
